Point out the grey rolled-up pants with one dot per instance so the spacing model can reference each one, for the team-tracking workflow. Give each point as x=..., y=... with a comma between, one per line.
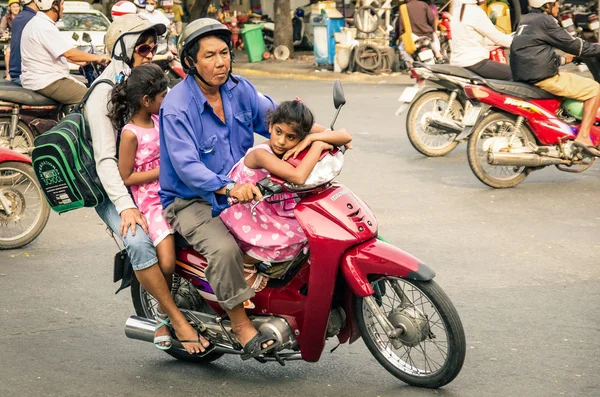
x=211, y=238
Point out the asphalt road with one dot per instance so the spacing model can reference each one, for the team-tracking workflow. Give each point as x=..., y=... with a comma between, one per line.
x=520, y=265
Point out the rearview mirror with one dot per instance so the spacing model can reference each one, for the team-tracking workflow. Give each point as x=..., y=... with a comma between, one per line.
x=75, y=37
x=87, y=38
x=339, y=99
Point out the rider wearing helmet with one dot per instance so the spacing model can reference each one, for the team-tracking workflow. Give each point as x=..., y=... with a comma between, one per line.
x=18, y=24
x=207, y=124
x=533, y=60
x=471, y=28
x=131, y=41
x=44, y=56
x=121, y=8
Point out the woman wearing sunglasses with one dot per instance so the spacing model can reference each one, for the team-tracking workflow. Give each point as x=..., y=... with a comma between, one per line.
x=131, y=41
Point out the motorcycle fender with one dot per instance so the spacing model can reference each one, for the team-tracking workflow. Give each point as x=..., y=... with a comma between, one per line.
x=379, y=257
x=10, y=155
x=411, y=93
x=468, y=129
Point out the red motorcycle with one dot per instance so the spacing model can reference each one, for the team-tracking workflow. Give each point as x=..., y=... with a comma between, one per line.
x=24, y=211
x=346, y=283
x=520, y=128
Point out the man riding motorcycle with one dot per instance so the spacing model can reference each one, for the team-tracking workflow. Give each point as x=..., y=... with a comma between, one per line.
x=44, y=56
x=471, y=28
x=534, y=61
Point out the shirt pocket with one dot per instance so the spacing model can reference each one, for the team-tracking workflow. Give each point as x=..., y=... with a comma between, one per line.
x=209, y=154
x=245, y=128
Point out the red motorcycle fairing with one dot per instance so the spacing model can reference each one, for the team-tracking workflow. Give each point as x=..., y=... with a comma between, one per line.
x=10, y=155
x=379, y=257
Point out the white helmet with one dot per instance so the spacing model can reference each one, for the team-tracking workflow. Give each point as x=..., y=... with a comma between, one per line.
x=538, y=3
x=122, y=8
x=45, y=5
x=126, y=30
x=25, y=2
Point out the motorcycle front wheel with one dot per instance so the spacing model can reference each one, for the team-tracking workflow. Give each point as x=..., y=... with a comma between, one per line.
x=431, y=350
x=428, y=140
x=28, y=210
x=146, y=306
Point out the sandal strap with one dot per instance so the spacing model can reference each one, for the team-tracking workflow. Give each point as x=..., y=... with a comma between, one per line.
x=163, y=321
x=164, y=338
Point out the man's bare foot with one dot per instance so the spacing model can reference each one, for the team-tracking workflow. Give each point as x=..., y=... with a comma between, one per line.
x=184, y=331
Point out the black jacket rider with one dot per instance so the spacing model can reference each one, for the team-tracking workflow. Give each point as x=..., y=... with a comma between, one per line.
x=532, y=55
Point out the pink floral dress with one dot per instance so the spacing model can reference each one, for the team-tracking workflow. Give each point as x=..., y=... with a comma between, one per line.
x=146, y=197
x=274, y=234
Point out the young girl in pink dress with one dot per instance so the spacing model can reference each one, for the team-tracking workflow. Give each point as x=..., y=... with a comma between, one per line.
x=273, y=234
x=135, y=105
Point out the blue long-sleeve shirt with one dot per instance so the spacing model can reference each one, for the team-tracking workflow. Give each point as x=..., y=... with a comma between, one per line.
x=197, y=150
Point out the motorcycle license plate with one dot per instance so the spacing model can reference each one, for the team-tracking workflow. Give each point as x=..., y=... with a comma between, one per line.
x=409, y=94
x=471, y=116
x=425, y=55
x=566, y=22
x=594, y=25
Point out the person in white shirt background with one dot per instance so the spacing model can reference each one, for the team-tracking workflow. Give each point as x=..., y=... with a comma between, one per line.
x=44, y=56
x=156, y=16
x=472, y=30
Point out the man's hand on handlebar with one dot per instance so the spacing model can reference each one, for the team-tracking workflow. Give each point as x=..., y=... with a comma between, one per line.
x=103, y=60
x=245, y=193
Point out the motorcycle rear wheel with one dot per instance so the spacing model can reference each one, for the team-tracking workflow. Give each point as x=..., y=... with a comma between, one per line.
x=498, y=177
x=422, y=137
x=20, y=187
x=431, y=315
x=145, y=306
x=23, y=140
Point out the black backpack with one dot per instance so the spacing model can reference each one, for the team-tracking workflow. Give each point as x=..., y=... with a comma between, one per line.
x=63, y=162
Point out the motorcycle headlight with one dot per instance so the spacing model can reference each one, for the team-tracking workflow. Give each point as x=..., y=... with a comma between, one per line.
x=324, y=172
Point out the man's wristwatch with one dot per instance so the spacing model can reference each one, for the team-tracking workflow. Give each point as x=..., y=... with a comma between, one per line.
x=228, y=188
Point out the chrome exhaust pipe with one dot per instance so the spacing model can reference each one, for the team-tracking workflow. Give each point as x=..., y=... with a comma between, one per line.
x=446, y=125
x=523, y=159
x=140, y=328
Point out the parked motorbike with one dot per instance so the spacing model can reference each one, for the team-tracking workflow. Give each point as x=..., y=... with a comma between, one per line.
x=347, y=283
x=302, y=40
x=24, y=211
x=521, y=128
x=436, y=105
x=25, y=114
x=566, y=18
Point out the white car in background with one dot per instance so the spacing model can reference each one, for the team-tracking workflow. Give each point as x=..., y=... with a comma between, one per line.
x=79, y=18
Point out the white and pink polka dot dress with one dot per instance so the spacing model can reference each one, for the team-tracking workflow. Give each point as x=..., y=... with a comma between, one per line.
x=146, y=197
x=273, y=234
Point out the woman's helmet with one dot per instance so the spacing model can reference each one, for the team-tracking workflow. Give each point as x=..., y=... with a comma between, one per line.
x=125, y=31
x=193, y=32
x=45, y=5
x=12, y=2
x=122, y=8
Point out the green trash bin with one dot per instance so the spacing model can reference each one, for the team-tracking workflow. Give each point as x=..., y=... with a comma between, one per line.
x=254, y=42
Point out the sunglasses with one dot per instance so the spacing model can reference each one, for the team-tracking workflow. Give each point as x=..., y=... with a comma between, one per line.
x=145, y=49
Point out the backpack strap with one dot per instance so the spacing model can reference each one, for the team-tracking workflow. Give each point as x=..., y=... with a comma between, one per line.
x=79, y=106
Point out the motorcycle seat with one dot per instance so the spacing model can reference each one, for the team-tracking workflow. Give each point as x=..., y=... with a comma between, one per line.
x=521, y=90
x=181, y=242
x=453, y=71
x=14, y=93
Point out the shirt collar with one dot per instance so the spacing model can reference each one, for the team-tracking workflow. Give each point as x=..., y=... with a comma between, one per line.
x=46, y=17
x=200, y=97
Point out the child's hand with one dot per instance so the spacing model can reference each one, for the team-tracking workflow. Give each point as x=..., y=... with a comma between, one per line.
x=299, y=147
x=324, y=145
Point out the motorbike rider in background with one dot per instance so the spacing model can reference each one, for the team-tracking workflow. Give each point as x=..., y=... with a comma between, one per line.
x=6, y=28
x=423, y=23
x=533, y=60
x=44, y=56
x=18, y=24
x=471, y=29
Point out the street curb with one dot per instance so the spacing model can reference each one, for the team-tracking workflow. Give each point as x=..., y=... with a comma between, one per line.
x=360, y=79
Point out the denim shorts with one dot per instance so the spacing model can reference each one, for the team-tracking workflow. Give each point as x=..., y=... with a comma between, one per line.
x=140, y=248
